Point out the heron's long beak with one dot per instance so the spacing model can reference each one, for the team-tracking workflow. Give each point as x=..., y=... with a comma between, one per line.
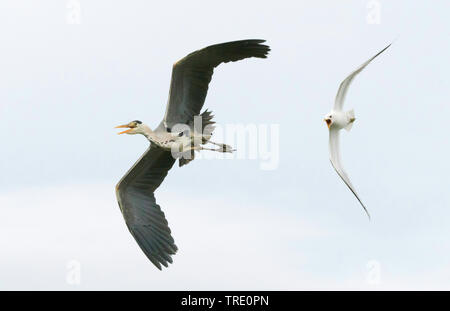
x=328, y=122
x=123, y=126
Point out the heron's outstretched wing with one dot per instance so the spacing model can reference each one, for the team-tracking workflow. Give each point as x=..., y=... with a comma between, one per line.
x=343, y=88
x=144, y=218
x=192, y=74
x=335, y=158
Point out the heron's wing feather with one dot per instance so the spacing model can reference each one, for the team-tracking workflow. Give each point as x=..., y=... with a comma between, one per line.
x=144, y=218
x=192, y=74
x=335, y=158
x=343, y=88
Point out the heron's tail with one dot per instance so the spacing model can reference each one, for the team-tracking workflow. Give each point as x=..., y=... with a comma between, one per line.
x=207, y=123
x=203, y=123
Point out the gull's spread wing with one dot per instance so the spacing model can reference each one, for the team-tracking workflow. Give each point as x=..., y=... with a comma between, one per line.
x=335, y=159
x=343, y=88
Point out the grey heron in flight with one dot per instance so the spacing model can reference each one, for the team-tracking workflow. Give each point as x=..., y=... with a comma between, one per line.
x=337, y=119
x=188, y=88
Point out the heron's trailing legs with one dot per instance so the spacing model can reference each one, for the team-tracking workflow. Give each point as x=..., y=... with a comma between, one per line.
x=223, y=148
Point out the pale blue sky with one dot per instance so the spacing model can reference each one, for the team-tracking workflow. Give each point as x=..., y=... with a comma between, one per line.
x=64, y=87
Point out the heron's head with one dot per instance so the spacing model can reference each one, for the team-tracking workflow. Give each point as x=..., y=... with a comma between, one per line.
x=328, y=120
x=134, y=127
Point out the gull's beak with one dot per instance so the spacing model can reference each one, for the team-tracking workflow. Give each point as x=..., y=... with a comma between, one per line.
x=123, y=126
x=328, y=122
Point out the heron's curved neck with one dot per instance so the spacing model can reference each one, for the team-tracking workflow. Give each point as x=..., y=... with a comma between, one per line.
x=147, y=132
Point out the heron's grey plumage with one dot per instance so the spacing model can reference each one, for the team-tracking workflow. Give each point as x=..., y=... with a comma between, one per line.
x=144, y=218
x=135, y=191
x=192, y=74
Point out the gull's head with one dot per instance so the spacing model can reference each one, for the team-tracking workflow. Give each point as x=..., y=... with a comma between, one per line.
x=328, y=119
x=134, y=127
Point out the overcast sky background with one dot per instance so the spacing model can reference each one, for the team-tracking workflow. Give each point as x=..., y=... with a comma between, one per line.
x=64, y=87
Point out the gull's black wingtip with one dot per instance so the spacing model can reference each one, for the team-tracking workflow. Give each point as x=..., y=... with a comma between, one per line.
x=365, y=209
x=368, y=215
x=382, y=50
